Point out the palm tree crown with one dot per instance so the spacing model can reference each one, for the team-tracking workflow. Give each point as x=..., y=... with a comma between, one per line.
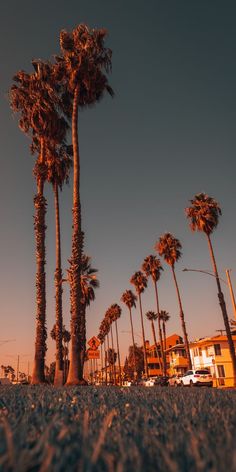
x=164, y=316
x=129, y=298
x=89, y=280
x=139, y=280
x=204, y=213
x=170, y=248
x=84, y=60
x=115, y=311
x=151, y=315
x=152, y=267
x=58, y=163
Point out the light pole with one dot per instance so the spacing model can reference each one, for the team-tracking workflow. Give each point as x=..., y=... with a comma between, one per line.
x=231, y=290
x=222, y=280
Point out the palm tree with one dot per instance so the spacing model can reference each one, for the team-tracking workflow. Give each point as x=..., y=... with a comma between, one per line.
x=164, y=315
x=105, y=328
x=34, y=97
x=115, y=314
x=58, y=162
x=101, y=338
x=152, y=316
x=89, y=283
x=204, y=216
x=170, y=248
x=80, y=72
x=110, y=318
x=139, y=280
x=129, y=299
x=152, y=268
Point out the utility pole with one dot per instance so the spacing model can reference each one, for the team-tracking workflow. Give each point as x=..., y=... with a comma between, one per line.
x=231, y=290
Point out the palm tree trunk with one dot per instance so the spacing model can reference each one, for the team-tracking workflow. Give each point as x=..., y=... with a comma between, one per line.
x=156, y=346
x=75, y=375
x=118, y=352
x=132, y=331
x=159, y=331
x=223, y=310
x=164, y=333
x=101, y=362
x=58, y=378
x=108, y=359
x=105, y=360
x=83, y=334
x=113, y=357
x=181, y=314
x=143, y=335
x=40, y=205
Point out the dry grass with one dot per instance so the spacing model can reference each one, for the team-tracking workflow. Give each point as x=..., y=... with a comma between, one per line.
x=112, y=429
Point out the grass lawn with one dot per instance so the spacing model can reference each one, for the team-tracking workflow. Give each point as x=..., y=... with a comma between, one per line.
x=117, y=429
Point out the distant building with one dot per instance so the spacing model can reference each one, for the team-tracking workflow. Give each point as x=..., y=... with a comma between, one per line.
x=213, y=353
x=154, y=367
x=178, y=362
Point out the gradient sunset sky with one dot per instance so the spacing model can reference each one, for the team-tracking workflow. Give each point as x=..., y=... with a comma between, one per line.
x=168, y=133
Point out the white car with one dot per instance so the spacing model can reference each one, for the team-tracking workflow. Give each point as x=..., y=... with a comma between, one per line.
x=200, y=377
x=127, y=383
x=175, y=380
x=150, y=382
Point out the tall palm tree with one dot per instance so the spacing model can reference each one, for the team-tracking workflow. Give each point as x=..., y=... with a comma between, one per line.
x=152, y=316
x=129, y=299
x=164, y=315
x=204, y=216
x=80, y=72
x=115, y=314
x=101, y=338
x=152, y=268
x=35, y=98
x=139, y=280
x=110, y=318
x=58, y=163
x=89, y=283
x=105, y=328
x=170, y=248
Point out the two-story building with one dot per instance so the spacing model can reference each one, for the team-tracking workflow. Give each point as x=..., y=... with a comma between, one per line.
x=213, y=353
x=154, y=361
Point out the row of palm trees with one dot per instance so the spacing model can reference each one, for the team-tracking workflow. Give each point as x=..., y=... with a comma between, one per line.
x=48, y=101
x=204, y=215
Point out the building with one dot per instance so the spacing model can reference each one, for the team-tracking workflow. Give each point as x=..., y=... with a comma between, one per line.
x=213, y=353
x=178, y=362
x=154, y=367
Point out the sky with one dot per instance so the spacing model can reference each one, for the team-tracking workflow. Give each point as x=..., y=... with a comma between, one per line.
x=168, y=134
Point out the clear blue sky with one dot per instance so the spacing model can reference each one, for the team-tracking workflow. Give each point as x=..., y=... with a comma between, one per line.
x=168, y=134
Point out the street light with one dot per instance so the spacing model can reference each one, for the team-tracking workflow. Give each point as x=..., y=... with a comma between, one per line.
x=222, y=280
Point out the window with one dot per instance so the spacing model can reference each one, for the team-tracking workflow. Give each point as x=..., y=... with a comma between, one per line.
x=209, y=351
x=221, y=371
x=195, y=352
x=200, y=351
x=217, y=349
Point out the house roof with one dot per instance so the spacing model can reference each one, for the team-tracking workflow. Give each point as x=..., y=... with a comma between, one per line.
x=210, y=340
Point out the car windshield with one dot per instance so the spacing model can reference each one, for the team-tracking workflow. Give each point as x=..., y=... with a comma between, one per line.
x=202, y=371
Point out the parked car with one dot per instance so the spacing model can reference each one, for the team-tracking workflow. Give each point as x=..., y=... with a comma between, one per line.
x=175, y=380
x=127, y=383
x=162, y=381
x=150, y=382
x=199, y=377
